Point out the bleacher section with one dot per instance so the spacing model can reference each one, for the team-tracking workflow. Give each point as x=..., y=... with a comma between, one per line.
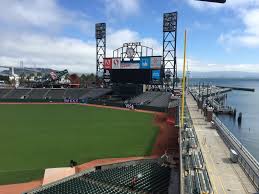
x=52, y=93
x=156, y=99
x=151, y=177
x=76, y=93
x=82, y=186
x=154, y=178
x=161, y=101
x=38, y=93
x=3, y=92
x=17, y=93
x=55, y=94
x=96, y=92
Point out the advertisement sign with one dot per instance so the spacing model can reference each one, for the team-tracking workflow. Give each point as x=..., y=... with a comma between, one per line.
x=129, y=65
x=107, y=63
x=116, y=63
x=155, y=74
x=145, y=63
x=155, y=62
x=107, y=76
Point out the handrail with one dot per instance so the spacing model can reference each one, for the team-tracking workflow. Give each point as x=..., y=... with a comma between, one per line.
x=251, y=166
x=246, y=152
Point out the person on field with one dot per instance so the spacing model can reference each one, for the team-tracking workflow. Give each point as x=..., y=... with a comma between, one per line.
x=72, y=163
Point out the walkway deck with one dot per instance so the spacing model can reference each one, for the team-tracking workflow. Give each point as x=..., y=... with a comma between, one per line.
x=226, y=177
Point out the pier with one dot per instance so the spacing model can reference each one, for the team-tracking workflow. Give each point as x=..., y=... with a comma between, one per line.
x=212, y=96
x=226, y=177
x=219, y=108
x=208, y=90
x=238, y=88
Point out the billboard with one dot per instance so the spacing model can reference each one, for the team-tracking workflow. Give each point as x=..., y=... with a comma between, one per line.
x=107, y=63
x=116, y=63
x=155, y=62
x=155, y=74
x=107, y=76
x=130, y=65
x=145, y=62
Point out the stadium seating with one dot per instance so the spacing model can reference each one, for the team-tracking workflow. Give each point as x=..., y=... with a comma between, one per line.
x=80, y=186
x=74, y=93
x=145, y=98
x=55, y=94
x=151, y=177
x=150, y=98
x=155, y=99
x=96, y=92
x=3, y=92
x=161, y=101
x=38, y=93
x=17, y=93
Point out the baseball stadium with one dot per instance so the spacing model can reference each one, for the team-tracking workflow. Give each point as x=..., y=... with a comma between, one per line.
x=119, y=135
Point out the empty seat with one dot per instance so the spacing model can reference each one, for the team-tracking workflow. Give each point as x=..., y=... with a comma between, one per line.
x=17, y=93
x=38, y=93
x=4, y=91
x=151, y=177
x=55, y=94
x=75, y=93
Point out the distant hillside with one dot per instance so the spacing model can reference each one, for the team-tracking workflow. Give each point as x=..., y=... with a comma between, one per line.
x=223, y=74
x=27, y=71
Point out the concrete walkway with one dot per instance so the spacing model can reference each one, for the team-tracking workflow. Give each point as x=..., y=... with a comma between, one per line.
x=226, y=177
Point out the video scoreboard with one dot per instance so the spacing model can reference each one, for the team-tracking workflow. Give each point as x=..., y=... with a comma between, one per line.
x=146, y=70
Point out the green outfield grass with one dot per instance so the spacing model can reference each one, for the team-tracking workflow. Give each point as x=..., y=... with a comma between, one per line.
x=35, y=137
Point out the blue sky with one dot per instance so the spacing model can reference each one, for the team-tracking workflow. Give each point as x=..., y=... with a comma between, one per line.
x=60, y=33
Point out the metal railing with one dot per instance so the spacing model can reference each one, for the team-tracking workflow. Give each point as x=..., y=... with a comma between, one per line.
x=245, y=159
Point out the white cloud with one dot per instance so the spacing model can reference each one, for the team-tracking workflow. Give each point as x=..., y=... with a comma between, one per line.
x=195, y=65
x=45, y=51
x=26, y=33
x=247, y=37
x=246, y=11
x=36, y=13
x=43, y=15
x=251, y=21
x=62, y=52
x=36, y=44
x=115, y=39
x=122, y=8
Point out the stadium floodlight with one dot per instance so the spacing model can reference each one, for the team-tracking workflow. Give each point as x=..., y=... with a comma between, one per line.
x=214, y=1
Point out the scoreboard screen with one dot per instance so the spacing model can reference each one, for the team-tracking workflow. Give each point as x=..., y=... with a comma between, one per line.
x=136, y=76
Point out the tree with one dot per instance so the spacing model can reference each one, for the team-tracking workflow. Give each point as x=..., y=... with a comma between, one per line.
x=39, y=74
x=83, y=80
x=22, y=77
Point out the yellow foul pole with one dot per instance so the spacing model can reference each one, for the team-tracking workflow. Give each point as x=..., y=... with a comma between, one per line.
x=183, y=81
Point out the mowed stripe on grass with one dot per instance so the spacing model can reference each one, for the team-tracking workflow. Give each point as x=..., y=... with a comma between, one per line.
x=35, y=137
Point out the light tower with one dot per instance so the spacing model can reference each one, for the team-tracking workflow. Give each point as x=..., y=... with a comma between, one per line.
x=100, y=36
x=169, y=46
